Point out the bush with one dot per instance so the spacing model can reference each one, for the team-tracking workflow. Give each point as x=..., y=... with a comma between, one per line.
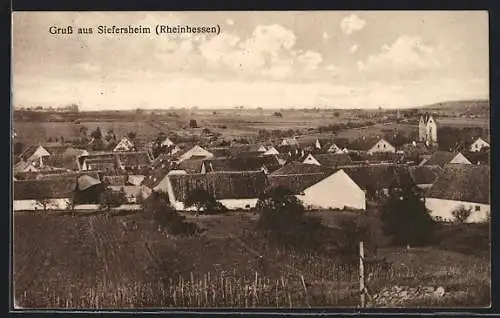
x=204, y=201
x=405, y=218
x=283, y=221
x=166, y=217
x=461, y=214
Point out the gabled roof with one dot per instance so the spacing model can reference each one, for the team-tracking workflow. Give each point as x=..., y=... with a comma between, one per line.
x=44, y=189
x=155, y=177
x=296, y=183
x=242, y=164
x=363, y=144
x=190, y=165
x=128, y=159
x=293, y=168
x=223, y=185
x=60, y=161
x=378, y=176
x=85, y=181
x=467, y=183
x=424, y=174
x=333, y=160
x=30, y=151
x=483, y=157
x=440, y=158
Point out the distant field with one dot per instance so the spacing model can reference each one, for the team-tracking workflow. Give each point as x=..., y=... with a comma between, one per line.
x=94, y=262
x=230, y=124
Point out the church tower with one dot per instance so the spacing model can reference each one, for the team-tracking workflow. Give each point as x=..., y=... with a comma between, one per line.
x=422, y=130
x=431, y=135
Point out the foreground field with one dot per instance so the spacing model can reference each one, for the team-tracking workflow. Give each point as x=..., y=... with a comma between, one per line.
x=90, y=261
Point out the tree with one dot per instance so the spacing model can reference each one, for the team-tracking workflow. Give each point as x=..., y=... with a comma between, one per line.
x=193, y=123
x=157, y=207
x=96, y=133
x=461, y=214
x=45, y=204
x=405, y=219
x=131, y=135
x=203, y=200
x=336, y=114
x=277, y=114
x=283, y=221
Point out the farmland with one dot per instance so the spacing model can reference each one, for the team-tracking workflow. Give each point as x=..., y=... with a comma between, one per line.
x=90, y=261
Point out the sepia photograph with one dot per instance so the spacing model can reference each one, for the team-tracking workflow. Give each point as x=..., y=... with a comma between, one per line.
x=250, y=159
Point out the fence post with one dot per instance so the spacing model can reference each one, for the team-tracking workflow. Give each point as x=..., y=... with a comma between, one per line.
x=361, y=274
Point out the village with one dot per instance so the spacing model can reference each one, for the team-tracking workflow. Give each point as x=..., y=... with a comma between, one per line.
x=323, y=173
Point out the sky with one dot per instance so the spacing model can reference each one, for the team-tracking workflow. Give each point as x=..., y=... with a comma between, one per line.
x=338, y=59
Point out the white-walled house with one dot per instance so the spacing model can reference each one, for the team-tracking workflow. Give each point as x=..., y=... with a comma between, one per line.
x=271, y=151
x=235, y=190
x=319, y=187
x=197, y=152
x=460, y=185
x=382, y=146
x=478, y=144
x=337, y=191
x=442, y=158
x=124, y=145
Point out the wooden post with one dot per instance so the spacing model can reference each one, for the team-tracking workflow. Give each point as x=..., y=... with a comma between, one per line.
x=361, y=274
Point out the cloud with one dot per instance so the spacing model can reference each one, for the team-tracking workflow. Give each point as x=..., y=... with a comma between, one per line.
x=408, y=54
x=268, y=52
x=230, y=22
x=325, y=36
x=353, y=49
x=352, y=23
x=310, y=60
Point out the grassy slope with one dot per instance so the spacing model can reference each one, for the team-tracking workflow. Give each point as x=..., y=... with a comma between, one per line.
x=115, y=266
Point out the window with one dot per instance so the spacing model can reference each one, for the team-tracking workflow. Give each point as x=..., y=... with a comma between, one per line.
x=477, y=208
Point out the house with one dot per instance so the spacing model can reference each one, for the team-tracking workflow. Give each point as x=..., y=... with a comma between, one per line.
x=235, y=190
x=197, y=152
x=424, y=176
x=157, y=180
x=336, y=191
x=441, y=158
x=319, y=187
x=333, y=148
x=68, y=159
x=297, y=176
x=460, y=185
x=190, y=165
x=478, y=157
x=55, y=194
x=263, y=163
x=479, y=144
x=167, y=143
x=382, y=146
x=133, y=161
x=329, y=159
x=99, y=160
x=427, y=130
x=124, y=145
x=34, y=154
x=377, y=179
x=271, y=151
x=25, y=166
